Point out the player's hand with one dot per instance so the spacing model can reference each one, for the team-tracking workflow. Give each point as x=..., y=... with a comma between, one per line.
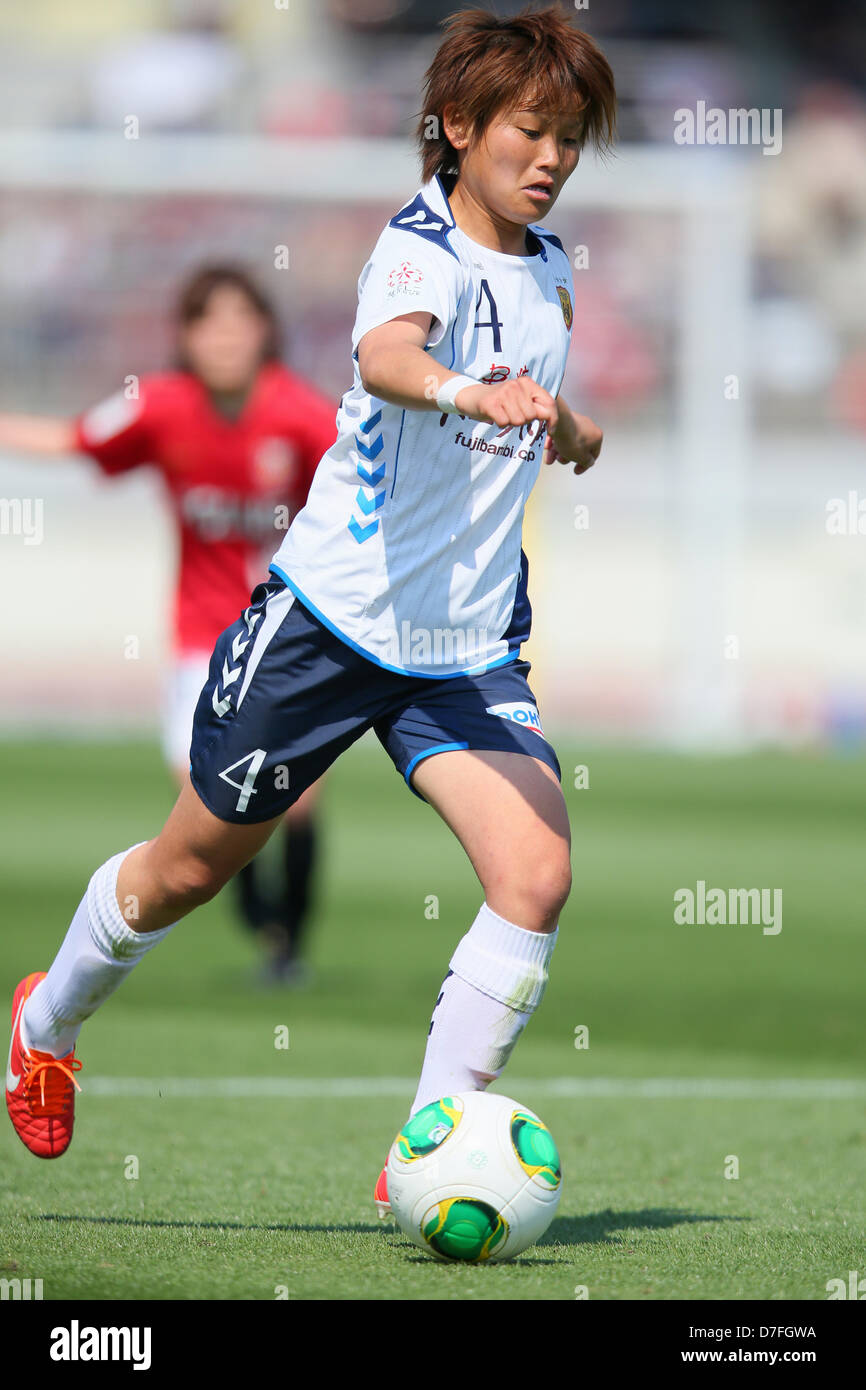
x=575, y=439
x=507, y=403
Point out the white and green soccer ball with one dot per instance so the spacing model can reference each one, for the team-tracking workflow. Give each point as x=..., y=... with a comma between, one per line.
x=474, y=1177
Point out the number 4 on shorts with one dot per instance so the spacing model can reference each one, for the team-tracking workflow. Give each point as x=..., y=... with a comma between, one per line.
x=247, y=786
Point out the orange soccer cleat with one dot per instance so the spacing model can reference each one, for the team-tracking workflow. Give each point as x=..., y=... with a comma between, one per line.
x=380, y=1195
x=40, y=1089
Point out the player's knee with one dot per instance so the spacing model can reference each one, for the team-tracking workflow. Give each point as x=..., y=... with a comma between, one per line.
x=191, y=881
x=551, y=879
x=534, y=892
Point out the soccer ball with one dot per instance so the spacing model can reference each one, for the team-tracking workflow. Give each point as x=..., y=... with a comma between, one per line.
x=474, y=1177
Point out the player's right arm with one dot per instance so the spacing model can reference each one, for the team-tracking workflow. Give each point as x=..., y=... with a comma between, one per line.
x=38, y=434
x=409, y=292
x=394, y=367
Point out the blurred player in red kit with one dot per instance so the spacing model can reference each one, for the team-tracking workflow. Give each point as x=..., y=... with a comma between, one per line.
x=236, y=438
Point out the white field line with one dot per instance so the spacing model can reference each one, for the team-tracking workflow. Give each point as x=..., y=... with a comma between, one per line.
x=565, y=1088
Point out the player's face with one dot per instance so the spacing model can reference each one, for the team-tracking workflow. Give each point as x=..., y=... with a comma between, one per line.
x=224, y=345
x=518, y=167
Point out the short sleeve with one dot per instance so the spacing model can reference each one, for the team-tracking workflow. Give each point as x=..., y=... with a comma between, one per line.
x=116, y=433
x=408, y=274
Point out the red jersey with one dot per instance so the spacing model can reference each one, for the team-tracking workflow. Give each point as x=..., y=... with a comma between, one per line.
x=234, y=485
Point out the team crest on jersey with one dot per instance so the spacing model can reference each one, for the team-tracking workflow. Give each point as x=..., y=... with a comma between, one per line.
x=565, y=305
x=274, y=464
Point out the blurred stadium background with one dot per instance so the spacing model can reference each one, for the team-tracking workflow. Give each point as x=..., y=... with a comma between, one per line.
x=700, y=599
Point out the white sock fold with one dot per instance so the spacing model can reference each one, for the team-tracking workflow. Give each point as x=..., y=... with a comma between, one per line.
x=505, y=961
x=496, y=980
x=96, y=955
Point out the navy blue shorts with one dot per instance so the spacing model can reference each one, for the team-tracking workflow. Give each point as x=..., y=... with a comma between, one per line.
x=285, y=697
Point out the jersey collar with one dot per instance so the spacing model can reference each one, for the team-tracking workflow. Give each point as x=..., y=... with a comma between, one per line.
x=435, y=195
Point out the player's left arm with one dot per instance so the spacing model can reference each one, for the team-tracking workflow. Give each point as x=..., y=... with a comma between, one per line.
x=575, y=439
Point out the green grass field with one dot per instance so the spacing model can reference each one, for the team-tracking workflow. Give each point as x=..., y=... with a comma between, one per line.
x=245, y=1187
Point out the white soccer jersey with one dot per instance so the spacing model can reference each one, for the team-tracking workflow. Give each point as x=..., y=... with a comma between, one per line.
x=409, y=546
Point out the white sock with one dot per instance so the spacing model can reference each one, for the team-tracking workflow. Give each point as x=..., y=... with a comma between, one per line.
x=96, y=955
x=496, y=979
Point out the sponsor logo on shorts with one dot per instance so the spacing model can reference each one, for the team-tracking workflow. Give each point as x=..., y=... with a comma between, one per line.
x=520, y=714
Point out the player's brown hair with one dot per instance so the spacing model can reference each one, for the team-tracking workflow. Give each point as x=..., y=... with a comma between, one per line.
x=195, y=293
x=535, y=60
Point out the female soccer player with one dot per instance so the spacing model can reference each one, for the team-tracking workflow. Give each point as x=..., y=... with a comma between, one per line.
x=236, y=438
x=397, y=600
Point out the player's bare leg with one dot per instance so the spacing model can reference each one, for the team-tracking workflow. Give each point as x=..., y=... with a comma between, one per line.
x=131, y=903
x=273, y=892
x=508, y=812
x=187, y=864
